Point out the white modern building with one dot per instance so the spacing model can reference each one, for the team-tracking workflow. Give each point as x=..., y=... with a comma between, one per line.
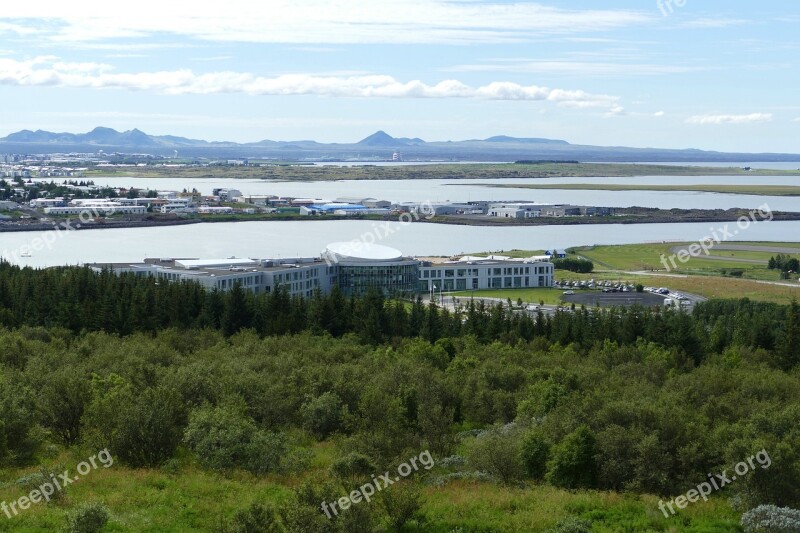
x=40, y=203
x=95, y=206
x=492, y=272
x=354, y=267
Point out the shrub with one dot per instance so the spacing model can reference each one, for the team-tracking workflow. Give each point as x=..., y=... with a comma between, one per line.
x=771, y=519
x=441, y=481
x=88, y=518
x=18, y=439
x=225, y=437
x=257, y=518
x=401, y=503
x=35, y=480
x=572, y=525
x=303, y=513
x=499, y=454
x=141, y=429
x=583, y=266
x=352, y=469
x=572, y=463
x=535, y=453
x=323, y=415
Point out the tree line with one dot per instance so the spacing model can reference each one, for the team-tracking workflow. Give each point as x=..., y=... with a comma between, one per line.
x=80, y=299
x=645, y=400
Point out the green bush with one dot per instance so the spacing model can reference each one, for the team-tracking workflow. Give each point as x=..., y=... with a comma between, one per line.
x=401, y=502
x=257, y=518
x=35, y=480
x=88, y=518
x=141, y=429
x=323, y=415
x=535, y=454
x=18, y=438
x=225, y=437
x=572, y=525
x=572, y=464
x=498, y=452
x=352, y=469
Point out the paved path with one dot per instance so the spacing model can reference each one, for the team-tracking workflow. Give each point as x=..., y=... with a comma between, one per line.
x=758, y=248
x=765, y=282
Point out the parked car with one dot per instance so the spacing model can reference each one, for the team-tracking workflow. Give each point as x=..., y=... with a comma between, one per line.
x=569, y=293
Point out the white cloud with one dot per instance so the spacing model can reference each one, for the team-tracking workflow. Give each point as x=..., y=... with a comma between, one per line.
x=581, y=68
x=307, y=22
x=48, y=71
x=730, y=119
x=659, y=114
x=715, y=23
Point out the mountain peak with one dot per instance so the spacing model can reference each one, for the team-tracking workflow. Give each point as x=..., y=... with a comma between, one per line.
x=380, y=138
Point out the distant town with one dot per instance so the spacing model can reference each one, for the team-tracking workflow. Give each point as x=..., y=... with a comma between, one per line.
x=34, y=190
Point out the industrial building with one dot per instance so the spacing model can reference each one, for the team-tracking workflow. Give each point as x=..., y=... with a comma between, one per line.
x=355, y=267
x=534, y=210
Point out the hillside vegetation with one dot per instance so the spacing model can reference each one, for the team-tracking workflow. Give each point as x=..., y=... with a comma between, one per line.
x=228, y=412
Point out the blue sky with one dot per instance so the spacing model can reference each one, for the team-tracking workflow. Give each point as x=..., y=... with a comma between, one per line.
x=719, y=75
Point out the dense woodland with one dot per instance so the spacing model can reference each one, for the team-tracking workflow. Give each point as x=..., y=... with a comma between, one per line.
x=637, y=400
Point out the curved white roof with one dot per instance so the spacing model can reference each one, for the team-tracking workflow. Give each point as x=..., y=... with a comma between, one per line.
x=363, y=250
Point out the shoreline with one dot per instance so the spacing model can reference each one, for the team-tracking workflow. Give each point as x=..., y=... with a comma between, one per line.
x=633, y=215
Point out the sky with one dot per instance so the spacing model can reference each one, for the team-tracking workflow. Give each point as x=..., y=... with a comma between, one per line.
x=716, y=75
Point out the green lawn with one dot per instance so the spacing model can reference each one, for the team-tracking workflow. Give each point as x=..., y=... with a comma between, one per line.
x=633, y=257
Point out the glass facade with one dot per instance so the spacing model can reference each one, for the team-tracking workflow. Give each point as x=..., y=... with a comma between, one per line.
x=390, y=278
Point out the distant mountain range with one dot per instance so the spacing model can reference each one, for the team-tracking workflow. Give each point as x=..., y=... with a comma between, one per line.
x=379, y=145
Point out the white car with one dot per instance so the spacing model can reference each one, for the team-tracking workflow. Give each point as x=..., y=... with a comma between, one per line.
x=569, y=293
x=532, y=307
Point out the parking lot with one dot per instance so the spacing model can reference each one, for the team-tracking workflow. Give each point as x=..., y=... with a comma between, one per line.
x=590, y=298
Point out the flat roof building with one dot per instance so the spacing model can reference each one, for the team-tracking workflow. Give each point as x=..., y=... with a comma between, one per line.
x=354, y=267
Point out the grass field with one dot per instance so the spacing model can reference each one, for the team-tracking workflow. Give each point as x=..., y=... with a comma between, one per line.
x=701, y=275
x=649, y=257
x=754, y=190
x=184, y=499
